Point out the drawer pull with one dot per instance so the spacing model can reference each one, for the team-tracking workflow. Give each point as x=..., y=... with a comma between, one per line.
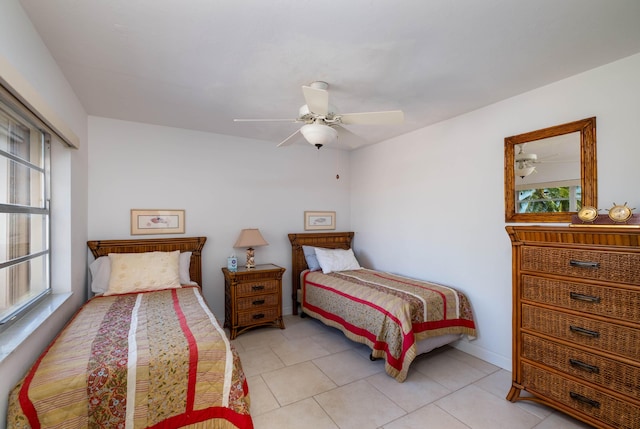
x=583, y=331
x=257, y=287
x=581, y=297
x=258, y=316
x=584, y=264
x=258, y=302
x=584, y=366
x=584, y=399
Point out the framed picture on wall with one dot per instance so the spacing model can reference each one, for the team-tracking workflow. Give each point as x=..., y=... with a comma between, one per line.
x=319, y=220
x=157, y=222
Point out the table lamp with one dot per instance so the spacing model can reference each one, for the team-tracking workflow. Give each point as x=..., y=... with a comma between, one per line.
x=250, y=238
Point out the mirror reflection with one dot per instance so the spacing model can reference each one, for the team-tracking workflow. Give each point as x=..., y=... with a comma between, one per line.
x=550, y=173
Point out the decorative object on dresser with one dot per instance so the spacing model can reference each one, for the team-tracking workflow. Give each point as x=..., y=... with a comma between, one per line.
x=250, y=238
x=576, y=321
x=252, y=297
x=618, y=216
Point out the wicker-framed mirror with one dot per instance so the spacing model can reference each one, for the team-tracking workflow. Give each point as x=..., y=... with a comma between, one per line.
x=553, y=194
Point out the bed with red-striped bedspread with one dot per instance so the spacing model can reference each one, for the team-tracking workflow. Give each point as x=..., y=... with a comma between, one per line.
x=146, y=360
x=389, y=313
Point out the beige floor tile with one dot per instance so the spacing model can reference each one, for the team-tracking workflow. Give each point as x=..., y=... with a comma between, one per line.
x=451, y=373
x=262, y=400
x=299, y=350
x=359, y=405
x=416, y=391
x=261, y=337
x=479, y=410
x=304, y=328
x=472, y=361
x=345, y=367
x=334, y=341
x=255, y=361
x=559, y=420
x=429, y=416
x=300, y=381
x=306, y=414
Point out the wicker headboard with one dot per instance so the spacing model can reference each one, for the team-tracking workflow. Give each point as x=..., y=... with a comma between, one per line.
x=184, y=244
x=329, y=240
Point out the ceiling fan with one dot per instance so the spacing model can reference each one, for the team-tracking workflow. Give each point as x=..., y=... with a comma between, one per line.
x=322, y=123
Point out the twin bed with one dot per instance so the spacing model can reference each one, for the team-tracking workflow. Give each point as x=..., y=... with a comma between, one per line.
x=138, y=358
x=397, y=317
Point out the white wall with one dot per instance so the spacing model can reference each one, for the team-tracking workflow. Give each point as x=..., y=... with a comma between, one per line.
x=23, y=49
x=430, y=204
x=224, y=184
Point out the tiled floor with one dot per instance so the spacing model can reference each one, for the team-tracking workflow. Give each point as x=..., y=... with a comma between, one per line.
x=310, y=376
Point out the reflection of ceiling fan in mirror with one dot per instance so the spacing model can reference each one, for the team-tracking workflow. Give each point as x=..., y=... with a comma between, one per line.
x=322, y=122
x=524, y=162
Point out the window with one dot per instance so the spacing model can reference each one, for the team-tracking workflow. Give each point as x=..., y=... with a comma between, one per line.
x=549, y=199
x=24, y=213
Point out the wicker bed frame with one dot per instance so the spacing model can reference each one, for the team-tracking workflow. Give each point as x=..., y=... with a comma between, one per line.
x=329, y=240
x=184, y=244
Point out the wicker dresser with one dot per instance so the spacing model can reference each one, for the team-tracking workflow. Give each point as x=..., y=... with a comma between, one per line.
x=576, y=321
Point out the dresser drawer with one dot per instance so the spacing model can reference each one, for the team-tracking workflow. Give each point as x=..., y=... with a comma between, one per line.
x=257, y=287
x=607, y=337
x=617, y=267
x=594, y=403
x=617, y=303
x=606, y=372
x=258, y=316
x=257, y=301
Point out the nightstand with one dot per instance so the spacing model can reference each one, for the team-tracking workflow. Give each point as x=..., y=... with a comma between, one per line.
x=252, y=297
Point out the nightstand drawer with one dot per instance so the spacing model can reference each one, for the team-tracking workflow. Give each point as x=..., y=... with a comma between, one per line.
x=614, y=302
x=257, y=316
x=608, y=337
x=257, y=301
x=257, y=287
x=588, y=264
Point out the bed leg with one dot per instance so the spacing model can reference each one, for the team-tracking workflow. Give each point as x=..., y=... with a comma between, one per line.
x=303, y=315
x=371, y=358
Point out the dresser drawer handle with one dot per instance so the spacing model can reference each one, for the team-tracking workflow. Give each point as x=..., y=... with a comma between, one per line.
x=584, y=366
x=583, y=331
x=584, y=264
x=580, y=297
x=258, y=316
x=258, y=302
x=584, y=399
x=257, y=287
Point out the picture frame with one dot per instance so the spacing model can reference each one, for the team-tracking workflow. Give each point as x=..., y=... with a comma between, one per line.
x=147, y=222
x=319, y=220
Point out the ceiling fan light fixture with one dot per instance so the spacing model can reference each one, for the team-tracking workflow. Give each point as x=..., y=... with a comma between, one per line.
x=523, y=171
x=318, y=134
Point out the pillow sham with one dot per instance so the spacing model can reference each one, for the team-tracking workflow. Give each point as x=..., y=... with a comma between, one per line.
x=331, y=260
x=142, y=272
x=101, y=271
x=310, y=257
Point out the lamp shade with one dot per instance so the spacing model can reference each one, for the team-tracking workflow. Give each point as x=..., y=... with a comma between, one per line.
x=318, y=134
x=250, y=238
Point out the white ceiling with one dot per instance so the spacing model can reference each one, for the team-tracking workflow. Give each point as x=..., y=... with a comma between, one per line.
x=198, y=64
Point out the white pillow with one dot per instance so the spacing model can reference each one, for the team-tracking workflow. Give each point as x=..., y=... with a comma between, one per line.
x=141, y=272
x=101, y=271
x=331, y=260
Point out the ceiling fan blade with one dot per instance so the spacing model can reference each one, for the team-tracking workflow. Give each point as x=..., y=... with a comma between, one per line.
x=349, y=139
x=317, y=100
x=289, y=140
x=373, y=118
x=265, y=120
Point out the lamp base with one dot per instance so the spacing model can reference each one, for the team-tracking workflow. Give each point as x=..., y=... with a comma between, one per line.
x=250, y=261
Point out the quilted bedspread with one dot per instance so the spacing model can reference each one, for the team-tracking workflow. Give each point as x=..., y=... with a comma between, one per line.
x=147, y=360
x=390, y=313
